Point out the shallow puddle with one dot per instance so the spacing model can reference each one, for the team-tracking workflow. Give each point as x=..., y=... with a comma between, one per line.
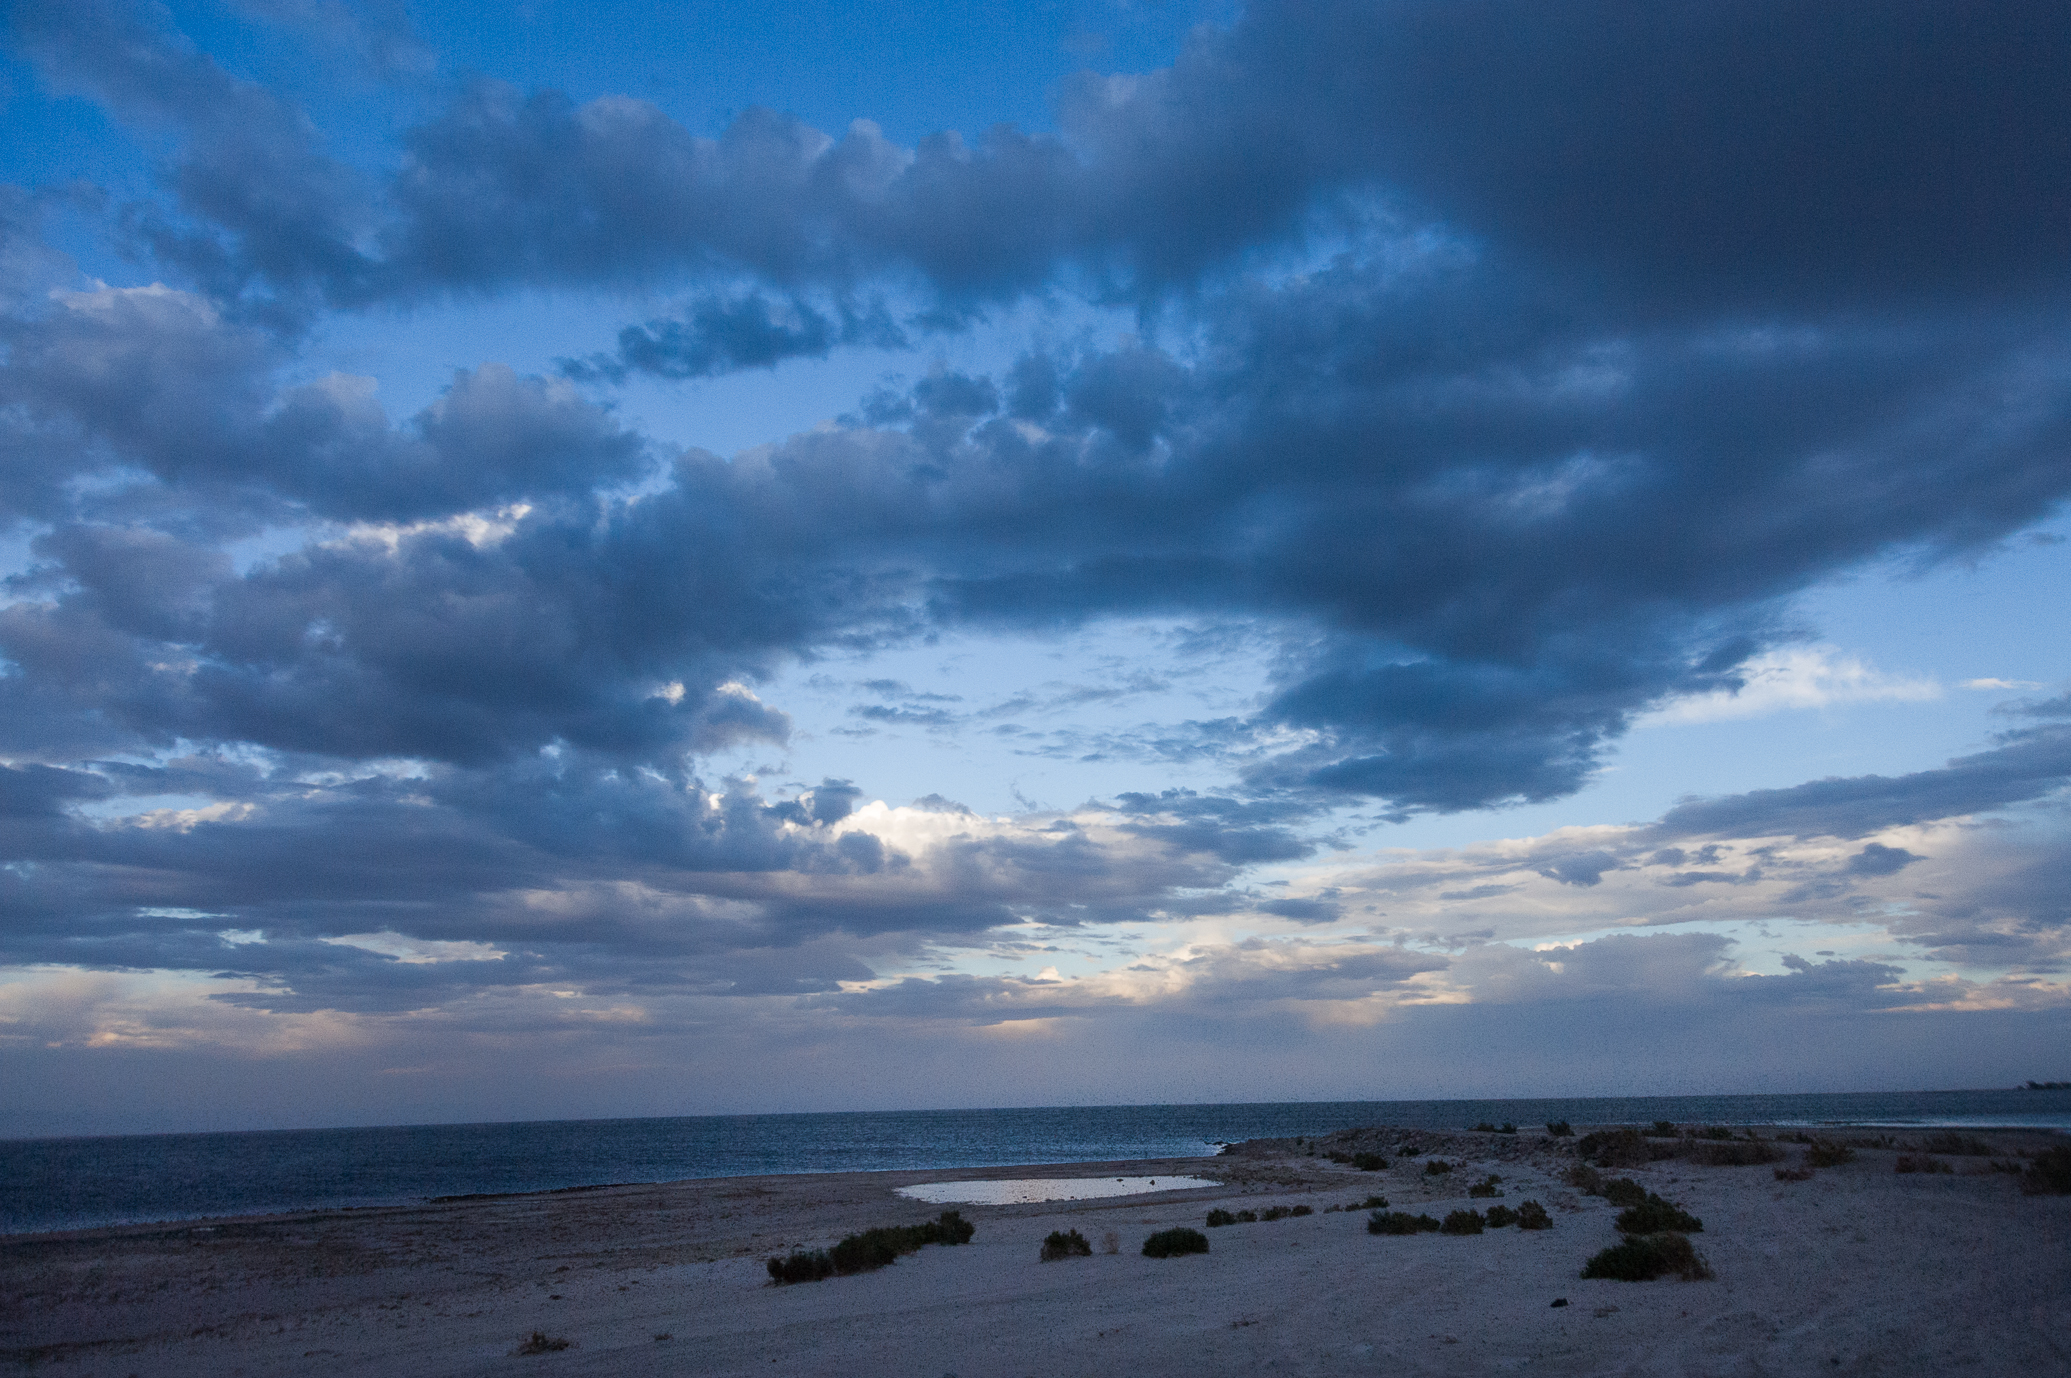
x=1015, y=1191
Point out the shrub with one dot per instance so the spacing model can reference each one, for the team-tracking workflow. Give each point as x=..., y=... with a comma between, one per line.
x=802, y=1266
x=1437, y=1167
x=1739, y=1153
x=542, y=1343
x=1399, y=1222
x=1714, y=1131
x=1794, y=1174
x=1623, y=1191
x=860, y=1253
x=1374, y=1202
x=1663, y=1129
x=1219, y=1217
x=1616, y=1148
x=1957, y=1145
x=1247, y=1217
x=1484, y=1128
x=1586, y=1179
x=1907, y=1162
x=1408, y=1151
x=1648, y=1257
x=1369, y=1162
x=1486, y=1187
x=1827, y=1153
x=2049, y=1174
x=1532, y=1216
x=1175, y=1242
x=1654, y=1216
x=1275, y=1213
x=1303, y=1210
x=1499, y=1216
x=1462, y=1222
x=1337, y=1157
x=1560, y=1129
x=1060, y=1244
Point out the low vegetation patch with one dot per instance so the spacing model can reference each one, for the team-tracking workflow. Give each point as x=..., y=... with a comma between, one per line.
x=1957, y=1145
x=1462, y=1222
x=1369, y=1162
x=872, y=1249
x=1623, y=1191
x=1647, y=1257
x=1736, y=1153
x=1619, y=1148
x=1499, y=1216
x=1065, y=1244
x=1532, y=1216
x=1912, y=1162
x=1560, y=1129
x=1219, y=1217
x=1400, y=1222
x=539, y=1342
x=1486, y=1128
x=1663, y=1129
x=2049, y=1174
x=1437, y=1167
x=1486, y=1187
x=1175, y=1242
x=1586, y=1179
x=1656, y=1216
x=1827, y=1153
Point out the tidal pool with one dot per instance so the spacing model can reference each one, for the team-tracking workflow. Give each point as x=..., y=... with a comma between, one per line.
x=1016, y=1191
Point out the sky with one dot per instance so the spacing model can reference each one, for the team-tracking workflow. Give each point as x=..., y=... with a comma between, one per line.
x=565, y=561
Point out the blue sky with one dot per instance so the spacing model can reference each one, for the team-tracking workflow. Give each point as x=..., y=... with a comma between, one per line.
x=573, y=560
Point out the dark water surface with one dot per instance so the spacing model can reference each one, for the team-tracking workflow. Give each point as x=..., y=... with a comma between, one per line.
x=54, y=1184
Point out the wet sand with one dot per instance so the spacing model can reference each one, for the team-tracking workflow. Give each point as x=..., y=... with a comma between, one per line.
x=1859, y=1270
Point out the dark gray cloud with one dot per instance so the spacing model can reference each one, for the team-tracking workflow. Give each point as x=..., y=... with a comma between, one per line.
x=1590, y=334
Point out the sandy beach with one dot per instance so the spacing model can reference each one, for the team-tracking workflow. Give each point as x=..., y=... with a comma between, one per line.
x=1858, y=1270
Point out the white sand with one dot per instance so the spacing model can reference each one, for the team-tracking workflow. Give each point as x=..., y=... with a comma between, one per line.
x=1858, y=1271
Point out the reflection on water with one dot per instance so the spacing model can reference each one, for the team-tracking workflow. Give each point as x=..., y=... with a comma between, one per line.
x=1015, y=1191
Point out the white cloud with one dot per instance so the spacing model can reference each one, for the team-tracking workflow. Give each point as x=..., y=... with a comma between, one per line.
x=1798, y=678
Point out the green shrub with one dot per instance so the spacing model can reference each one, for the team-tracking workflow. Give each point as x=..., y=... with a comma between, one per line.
x=1827, y=1153
x=1532, y=1216
x=802, y=1266
x=1616, y=1148
x=1738, y=1153
x=1369, y=1162
x=2049, y=1174
x=1247, y=1217
x=1399, y=1222
x=1623, y=1191
x=543, y=1343
x=1484, y=1128
x=1219, y=1217
x=1714, y=1131
x=1437, y=1167
x=1663, y=1129
x=1486, y=1187
x=1374, y=1202
x=1957, y=1145
x=1275, y=1213
x=1499, y=1216
x=1462, y=1222
x=1560, y=1129
x=1175, y=1242
x=1654, y=1215
x=1586, y=1179
x=1907, y=1162
x=1647, y=1257
x=1303, y=1210
x=1061, y=1244
x=861, y=1253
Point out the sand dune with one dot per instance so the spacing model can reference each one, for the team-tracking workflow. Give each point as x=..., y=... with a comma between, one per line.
x=1859, y=1270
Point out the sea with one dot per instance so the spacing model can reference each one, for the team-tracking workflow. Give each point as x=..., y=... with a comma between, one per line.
x=75, y=1183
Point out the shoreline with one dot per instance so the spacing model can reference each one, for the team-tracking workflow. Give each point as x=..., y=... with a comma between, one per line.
x=1900, y=1268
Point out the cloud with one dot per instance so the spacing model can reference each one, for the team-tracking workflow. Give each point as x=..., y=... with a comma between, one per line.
x=1797, y=678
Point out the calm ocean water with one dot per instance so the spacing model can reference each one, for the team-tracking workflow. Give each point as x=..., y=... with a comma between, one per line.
x=55, y=1184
